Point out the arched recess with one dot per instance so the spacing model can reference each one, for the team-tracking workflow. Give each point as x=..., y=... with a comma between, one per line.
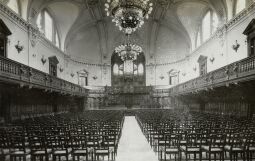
x=173, y=76
x=131, y=72
x=83, y=78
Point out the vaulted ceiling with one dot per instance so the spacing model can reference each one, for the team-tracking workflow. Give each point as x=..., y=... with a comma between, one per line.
x=88, y=34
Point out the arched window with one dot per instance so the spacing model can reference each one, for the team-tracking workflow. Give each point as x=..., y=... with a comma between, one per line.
x=140, y=69
x=47, y=25
x=198, y=43
x=115, y=69
x=208, y=27
x=239, y=6
x=14, y=5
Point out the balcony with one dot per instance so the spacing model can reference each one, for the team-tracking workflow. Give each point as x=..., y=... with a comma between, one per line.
x=16, y=73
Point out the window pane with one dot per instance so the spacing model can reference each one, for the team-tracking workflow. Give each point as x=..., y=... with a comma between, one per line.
x=13, y=5
x=57, y=40
x=198, y=39
x=215, y=22
x=115, y=69
x=140, y=69
x=240, y=5
x=39, y=21
x=48, y=26
x=206, y=26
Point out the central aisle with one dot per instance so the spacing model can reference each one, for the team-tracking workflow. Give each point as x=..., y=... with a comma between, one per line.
x=133, y=145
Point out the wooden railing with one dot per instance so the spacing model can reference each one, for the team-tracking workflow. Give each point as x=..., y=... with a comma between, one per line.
x=24, y=75
x=13, y=71
x=228, y=74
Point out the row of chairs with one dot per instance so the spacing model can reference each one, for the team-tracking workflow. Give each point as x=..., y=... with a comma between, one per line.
x=198, y=136
x=90, y=136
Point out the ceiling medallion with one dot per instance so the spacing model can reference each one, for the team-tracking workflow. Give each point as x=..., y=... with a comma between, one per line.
x=128, y=15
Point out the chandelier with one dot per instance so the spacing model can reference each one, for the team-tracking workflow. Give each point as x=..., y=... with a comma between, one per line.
x=128, y=51
x=128, y=15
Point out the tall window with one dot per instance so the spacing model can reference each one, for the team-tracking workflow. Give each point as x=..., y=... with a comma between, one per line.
x=239, y=6
x=47, y=25
x=14, y=5
x=140, y=69
x=115, y=69
x=208, y=26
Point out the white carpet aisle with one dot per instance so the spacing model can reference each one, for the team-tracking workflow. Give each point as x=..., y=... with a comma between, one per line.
x=133, y=145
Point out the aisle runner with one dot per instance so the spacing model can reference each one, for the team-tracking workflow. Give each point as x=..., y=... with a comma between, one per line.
x=133, y=145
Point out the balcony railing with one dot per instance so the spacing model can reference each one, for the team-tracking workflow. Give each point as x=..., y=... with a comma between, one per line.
x=234, y=72
x=22, y=74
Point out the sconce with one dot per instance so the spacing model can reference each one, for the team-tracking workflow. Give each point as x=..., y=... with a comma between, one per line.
x=212, y=59
x=19, y=47
x=236, y=46
x=34, y=55
x=94, y=77
x=161, y=77
x=72, y=74
x=43, y=59
x=61, y=69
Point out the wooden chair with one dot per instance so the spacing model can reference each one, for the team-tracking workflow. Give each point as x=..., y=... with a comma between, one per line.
x=39, y=149
x=18, y=149
x=250, y=146
x=60, y=148
x=216, y=143
x=172, y=146
x=79, y=149
x=4, y=144
x=193, y=146
x=235, y=146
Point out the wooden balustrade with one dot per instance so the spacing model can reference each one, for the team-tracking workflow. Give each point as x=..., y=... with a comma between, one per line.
x=14, y=71
x=18, y=73
x=228, y=74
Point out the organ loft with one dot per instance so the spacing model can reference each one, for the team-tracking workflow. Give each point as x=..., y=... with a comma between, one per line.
x=127, y=80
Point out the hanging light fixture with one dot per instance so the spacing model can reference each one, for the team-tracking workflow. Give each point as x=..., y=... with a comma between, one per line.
x=128, y=15
x=128, y=50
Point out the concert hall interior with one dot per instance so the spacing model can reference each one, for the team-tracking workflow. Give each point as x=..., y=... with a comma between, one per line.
x=127, y=80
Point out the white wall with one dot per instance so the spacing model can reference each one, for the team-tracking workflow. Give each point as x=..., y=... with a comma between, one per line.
x=219, y=47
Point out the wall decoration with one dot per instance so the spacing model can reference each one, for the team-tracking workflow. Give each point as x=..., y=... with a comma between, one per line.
x=195, y=68
x=161, y=77
x=72, y=74
x=236, y=46
x=61, y=69
x=94, y=77
x=43, y=60
x=19, y=47
x=34, y=55
x=184, y=74
x=33, y=36
x=212, y=58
